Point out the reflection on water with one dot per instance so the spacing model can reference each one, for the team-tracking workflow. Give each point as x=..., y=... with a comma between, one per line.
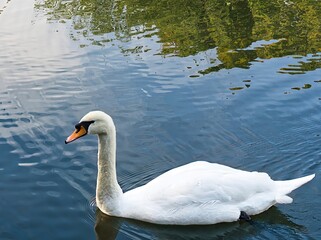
x=232, y=82
x=271, y=224
x=241, y=31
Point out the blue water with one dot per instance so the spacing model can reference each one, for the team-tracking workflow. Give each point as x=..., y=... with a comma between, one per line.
x=169, y=109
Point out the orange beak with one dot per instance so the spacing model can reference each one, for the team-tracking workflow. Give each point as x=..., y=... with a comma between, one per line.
x=76, y=134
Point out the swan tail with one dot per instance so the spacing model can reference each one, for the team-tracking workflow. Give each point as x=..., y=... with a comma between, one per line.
x=283, y=199
x=287, y=186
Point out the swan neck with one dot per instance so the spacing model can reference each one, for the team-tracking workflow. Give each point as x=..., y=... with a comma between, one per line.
x=108, y=191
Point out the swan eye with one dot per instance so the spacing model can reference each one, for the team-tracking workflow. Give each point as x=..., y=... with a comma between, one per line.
x=78, y=127
x=84, y=124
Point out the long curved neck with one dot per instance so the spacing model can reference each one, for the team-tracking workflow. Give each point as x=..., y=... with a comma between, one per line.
x=108, y=191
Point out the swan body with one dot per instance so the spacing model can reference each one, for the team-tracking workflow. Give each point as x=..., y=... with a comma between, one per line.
x=195, y=193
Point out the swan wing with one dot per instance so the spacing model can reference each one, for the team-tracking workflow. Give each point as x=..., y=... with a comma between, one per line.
x=199, y=192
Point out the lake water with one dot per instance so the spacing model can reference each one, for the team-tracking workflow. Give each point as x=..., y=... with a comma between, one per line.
x=232, y=82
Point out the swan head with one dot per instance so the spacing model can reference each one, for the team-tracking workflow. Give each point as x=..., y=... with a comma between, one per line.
x=95, y=122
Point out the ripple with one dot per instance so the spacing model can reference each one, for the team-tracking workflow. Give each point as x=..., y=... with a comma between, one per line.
x=92, y=210
x=54, y=194
x=28, y=164
x=171, y=107
x=72, y=182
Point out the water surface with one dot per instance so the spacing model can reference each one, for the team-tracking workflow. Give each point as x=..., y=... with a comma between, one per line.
x=235, y=82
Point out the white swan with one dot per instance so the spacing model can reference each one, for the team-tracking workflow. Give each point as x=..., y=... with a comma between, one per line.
x=196, y=193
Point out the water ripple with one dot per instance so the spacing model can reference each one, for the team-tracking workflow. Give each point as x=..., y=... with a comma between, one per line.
x=170, y=107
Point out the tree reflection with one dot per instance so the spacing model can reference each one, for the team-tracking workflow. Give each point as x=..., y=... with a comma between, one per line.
x=187, y=27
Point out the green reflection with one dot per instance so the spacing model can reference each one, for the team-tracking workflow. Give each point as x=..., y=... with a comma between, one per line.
x=186, y=27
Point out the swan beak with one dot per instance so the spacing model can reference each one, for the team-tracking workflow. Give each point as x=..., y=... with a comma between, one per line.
x=76, y=134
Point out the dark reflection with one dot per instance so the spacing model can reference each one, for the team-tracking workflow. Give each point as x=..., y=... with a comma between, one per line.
x=107, y=227
x=268, y=224
x=311, y=64
x=235, y=28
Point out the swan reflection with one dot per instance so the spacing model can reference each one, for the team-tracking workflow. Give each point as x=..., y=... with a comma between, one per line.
x=271, y=224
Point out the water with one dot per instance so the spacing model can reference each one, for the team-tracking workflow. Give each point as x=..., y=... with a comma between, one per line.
x=236, y=83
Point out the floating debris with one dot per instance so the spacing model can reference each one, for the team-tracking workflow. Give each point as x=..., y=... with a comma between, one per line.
x=307, y=86
x=296, y=88
x=236, y=88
